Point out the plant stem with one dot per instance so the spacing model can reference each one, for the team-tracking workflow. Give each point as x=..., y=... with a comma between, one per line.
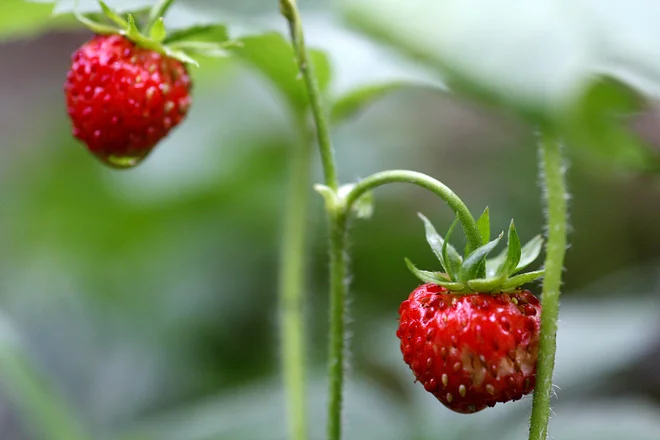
x=292, y=282
x=472, y=234
x=336, y=222
x=290, y=12
x=555, y=193
x=338, y=291
x=159, y=9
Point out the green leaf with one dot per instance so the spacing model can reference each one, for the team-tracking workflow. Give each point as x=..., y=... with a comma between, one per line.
x=471, y=265
x=600, y=123
x=453, y=260
x=512, y=253
x=354, y=101
x=521, y=279
x=157, y=31
x=44, y=410
x=483, y=223
x=112, y=15
x=19, y=19
x=438, y=278
x=273, y=56
x=530, y=251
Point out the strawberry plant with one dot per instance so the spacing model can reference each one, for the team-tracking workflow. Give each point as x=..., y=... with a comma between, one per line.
x=472, y=334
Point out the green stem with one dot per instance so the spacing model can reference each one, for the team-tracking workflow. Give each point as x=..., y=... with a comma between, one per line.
x=159, y=9
x=290, y=12
x=338, y=291
x=555, y=188
x=336, y=222
x=292, y=282
x=472, y=234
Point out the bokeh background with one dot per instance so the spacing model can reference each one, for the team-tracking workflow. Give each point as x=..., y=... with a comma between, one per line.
x=141, y=304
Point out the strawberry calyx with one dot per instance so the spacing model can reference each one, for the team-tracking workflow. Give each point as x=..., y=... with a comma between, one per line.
x=474, y=272
x=154, y=36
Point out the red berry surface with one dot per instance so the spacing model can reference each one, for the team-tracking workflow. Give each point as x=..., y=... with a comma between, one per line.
x=471, y=350
x=123, y=99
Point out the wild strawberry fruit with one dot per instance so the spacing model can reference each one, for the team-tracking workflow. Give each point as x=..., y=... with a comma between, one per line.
x=471, y=351
x=471, y=334
x=127, y=89
x=122, y=99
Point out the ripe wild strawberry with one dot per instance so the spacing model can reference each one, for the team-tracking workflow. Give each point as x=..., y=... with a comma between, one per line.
x=127, y=89
x=471, y=351
x=470, y=334
x=122, y=99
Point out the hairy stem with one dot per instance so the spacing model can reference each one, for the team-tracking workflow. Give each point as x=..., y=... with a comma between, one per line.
x=338, y=291
x=555, y=191
x=292, y=283
x=470, y=227
x=290, y=12
x=336, y=222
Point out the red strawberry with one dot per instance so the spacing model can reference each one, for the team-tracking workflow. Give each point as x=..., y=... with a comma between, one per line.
x=471, y=350
x=123, y=99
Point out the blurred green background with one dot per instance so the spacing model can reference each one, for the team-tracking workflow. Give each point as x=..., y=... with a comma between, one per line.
x=145, y=299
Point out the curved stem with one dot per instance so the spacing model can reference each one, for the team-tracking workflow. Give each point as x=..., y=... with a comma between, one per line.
x=290, y=12
x=292, y=282
x=159, y=9
x=472, y=234
x=555, y=193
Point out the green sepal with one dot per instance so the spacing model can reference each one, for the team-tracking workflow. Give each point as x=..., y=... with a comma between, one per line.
x=205, y=48
x=437, y=278
x=485, y=284
x=157, y=32
x=112, y=15
x=521, y=279
x=483, y=224
x=512, y=259
x=364, y=205
x=472, y=264
x=96, y=27
x=453, y=261
x=437, y=242
x=530, y=252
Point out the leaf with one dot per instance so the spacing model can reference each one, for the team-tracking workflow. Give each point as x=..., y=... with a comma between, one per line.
x=436, y=242
x=273, y=56
x=454, y=260
x=521, y=279
x=347, y=105
x=473, y=262
x=530, y=252
x=438, y=278
x=600, y=122
x=483, y=224
x=43, y=410
x=512, y=253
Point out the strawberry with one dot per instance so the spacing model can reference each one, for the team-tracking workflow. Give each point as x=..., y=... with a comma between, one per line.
x=470, y=334
x=471, y=351
x=126, y=89
x=122, y=99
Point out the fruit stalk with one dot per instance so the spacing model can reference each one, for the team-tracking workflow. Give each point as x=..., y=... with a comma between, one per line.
x=292, y=282
x=555, y=194
x=468, y=223
x=336, y=222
